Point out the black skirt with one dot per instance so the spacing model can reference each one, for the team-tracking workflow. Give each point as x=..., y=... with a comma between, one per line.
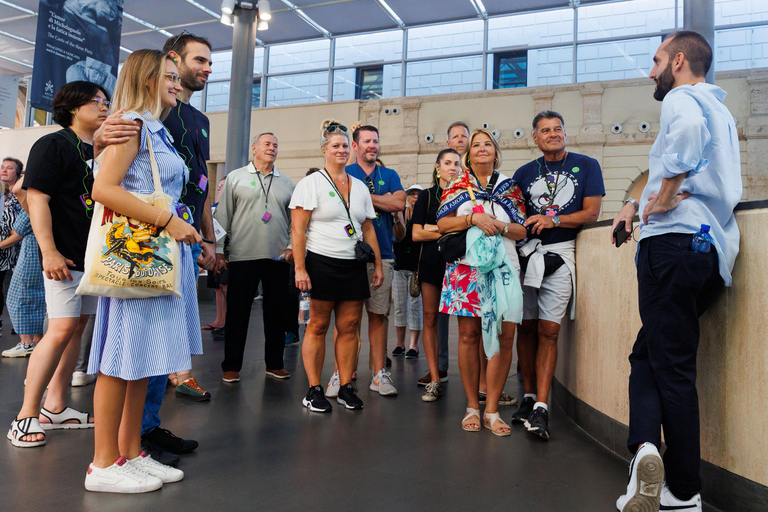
x=432, y=273
x=336, y=279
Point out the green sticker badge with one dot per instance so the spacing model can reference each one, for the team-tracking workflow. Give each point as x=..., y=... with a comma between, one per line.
x=575, y=170
x=381, y=182
x=253, y=183
x=205, y=133
x=332, y=193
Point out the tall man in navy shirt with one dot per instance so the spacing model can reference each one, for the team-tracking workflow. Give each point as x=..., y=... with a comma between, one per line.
x=694, y=178
x=563, y=190
x=388, y=196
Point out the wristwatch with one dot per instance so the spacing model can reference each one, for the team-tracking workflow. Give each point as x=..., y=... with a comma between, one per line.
x=506, y=228
x=634, y=203
x=556, y=220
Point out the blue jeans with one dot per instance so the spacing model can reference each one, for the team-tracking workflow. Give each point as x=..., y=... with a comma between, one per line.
x=156, y=387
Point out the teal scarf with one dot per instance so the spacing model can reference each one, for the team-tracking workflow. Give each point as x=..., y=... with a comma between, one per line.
x=498, y=285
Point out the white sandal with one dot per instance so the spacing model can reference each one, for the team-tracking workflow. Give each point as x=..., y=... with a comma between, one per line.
x=471, y=413
x=489, y=421
x=58, y=420
x=25, y=427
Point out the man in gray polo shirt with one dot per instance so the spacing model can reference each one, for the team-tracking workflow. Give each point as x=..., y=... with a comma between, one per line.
x=253, y=209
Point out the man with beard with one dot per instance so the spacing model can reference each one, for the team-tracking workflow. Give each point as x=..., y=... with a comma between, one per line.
x=694, y=178
x=563, y=190
x=189, y=129
x=388, y=196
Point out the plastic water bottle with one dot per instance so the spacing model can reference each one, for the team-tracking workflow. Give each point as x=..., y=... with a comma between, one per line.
x=702, y=241
x=304, y=308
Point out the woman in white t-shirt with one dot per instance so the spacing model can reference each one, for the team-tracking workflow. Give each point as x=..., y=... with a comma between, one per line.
x=331, y=212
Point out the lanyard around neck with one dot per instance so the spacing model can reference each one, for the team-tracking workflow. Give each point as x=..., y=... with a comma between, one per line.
x=269, y=187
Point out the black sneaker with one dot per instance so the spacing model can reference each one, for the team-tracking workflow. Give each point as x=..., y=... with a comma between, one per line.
x=315, y=400
x=389, y=363
x=348, y=398
x=538, y=423
x=525, y=409
x=161, y=456
x=165, y=440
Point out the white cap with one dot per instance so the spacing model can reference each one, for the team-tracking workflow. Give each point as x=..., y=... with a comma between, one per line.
x=414, y=187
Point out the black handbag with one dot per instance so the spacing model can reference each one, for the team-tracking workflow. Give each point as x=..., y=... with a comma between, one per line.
x=452, y=246
x=364, y=252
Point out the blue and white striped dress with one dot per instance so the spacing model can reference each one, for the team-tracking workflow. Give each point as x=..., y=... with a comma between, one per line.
x=138, y=338
x=26, y=295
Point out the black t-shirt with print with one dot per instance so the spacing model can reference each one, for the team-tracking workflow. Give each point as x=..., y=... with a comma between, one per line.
x=425, y=212
x=60, y=166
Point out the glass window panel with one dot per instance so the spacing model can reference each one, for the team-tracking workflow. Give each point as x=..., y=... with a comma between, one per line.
x=256, y=94
x=729, y=12
x=511, y=70
x=550, y=66
x=297, y=89
x=345, y=82
x=463, y=74
x=196, y=101
x=217, y=96
x=617, y=19
x=632, y=58
x=299, y=56
x=741, y=48
x=545, y=27
x=368, y=48
x=370, y=83
x=445, y=39
x=222, y=64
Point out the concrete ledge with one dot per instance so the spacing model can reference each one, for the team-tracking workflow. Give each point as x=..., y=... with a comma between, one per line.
x=723, y=490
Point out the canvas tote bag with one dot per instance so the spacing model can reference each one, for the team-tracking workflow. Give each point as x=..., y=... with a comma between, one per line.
x=129, y=259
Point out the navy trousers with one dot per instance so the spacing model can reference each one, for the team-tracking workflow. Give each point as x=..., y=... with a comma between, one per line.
x=676, y=286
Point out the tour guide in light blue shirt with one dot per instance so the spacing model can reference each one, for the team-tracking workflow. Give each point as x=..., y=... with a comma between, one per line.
x=694, y=179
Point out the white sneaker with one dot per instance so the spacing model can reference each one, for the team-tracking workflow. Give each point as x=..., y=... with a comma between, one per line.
x=382, y=383
x=332, y=391
x=82, y=379
x=20, y=350
x=646, y=477
x=669, y=502
x=147, y=464
x=121, y=477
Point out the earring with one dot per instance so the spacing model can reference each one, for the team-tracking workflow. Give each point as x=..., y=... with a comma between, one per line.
x=72, y=111
x=437, y=173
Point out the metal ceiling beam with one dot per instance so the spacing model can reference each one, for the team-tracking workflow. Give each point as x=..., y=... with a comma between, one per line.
x=301, y=14
x=16, y=62
x=479, y=8
x=18, y=7
x=391, y=13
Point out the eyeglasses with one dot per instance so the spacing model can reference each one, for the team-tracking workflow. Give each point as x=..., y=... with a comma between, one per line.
x=178, y=37
x=335, y=127
x=173, y=77
x=101, y=102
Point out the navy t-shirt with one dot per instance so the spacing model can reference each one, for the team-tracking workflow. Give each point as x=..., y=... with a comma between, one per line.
x=189, y=129
x=383, y=180
x=559, y=188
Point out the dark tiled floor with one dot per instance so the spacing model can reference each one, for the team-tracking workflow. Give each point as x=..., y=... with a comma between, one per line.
x=261, y=450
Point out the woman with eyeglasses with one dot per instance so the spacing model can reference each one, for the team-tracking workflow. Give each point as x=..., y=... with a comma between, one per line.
x=135, y=339
x=331, y=214
x=482, y=288
x=431, y=265
x=59, y=182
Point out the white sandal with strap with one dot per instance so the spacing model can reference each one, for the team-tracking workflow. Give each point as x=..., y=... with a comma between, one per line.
x=470, y=413
x=25, y=427
x=489, y=421
x=58, y=420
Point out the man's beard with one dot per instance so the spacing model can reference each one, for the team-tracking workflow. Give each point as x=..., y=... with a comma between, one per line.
x=368, y=158
x=190, y=82
x=665, y=82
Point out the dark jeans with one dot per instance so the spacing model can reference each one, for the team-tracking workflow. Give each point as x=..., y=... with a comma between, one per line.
x=442, y=339
x=675, y=285
x=244, y=278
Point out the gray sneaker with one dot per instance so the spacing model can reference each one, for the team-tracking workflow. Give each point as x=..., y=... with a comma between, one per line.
x=332, y=391
x=20, y=350
x=382, y=383
x=433, y=392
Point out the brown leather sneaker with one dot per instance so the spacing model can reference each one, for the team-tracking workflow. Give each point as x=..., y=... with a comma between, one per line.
x=282, y=373
x=427, y=378
x=231, y=377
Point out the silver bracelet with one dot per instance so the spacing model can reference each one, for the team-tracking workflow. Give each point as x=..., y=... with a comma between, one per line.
x=634, y=203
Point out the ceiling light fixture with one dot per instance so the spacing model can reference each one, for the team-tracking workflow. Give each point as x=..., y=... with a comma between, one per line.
x=263, y=25
x=265, y=12
x=226, y=19
x=228, y=6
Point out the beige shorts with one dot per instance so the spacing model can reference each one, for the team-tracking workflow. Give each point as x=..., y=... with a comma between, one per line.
x=62, y=301
x=381, y=298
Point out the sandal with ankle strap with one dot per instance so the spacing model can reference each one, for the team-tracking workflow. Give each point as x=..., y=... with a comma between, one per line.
x=493, y=422
x=25, y=427
x=67, y=419
x=471, y=413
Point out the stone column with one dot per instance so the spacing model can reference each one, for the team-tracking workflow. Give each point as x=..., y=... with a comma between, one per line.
x=756, y=133
x=409, y=141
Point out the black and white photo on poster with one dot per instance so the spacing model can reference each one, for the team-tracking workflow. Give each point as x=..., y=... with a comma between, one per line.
x=76, y=40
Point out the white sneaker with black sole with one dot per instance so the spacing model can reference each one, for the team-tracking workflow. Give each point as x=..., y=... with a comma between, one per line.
x=121, y=477
x=646, y=477
x=668, y=501
x=167, y=474
x=20, y=350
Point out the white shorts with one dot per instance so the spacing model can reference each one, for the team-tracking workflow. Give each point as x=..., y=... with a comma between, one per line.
x=62, y=301
x=549, y=302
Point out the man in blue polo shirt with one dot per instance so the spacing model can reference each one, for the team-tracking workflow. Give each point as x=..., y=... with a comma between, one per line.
x=388, y=196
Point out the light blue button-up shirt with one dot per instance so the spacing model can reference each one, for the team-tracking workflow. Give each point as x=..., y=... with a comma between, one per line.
x=698, y=137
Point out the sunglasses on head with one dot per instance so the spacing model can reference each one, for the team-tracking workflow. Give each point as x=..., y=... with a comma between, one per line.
x=332, y=128
x=176, y=41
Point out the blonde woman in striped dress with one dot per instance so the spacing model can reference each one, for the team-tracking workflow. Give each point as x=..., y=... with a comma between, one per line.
x=135, y=339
